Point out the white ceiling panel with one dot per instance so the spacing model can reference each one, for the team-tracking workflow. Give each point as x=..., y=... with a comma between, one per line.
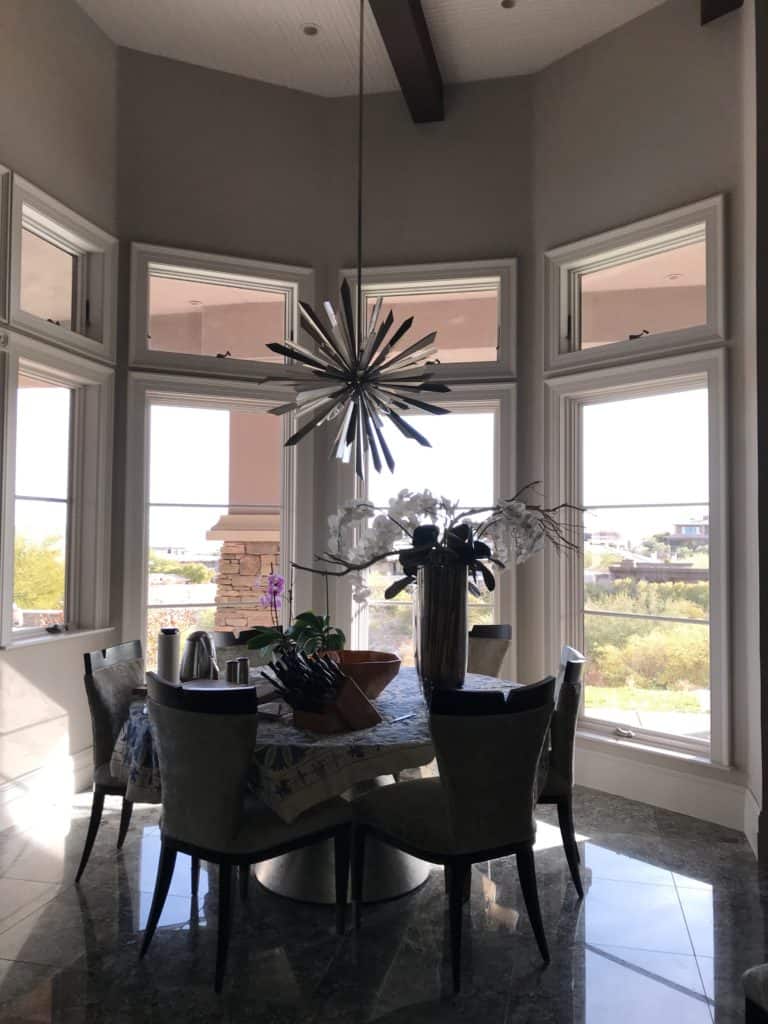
x=263, y=39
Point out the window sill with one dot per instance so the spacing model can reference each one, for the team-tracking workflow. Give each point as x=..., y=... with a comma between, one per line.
x=643, y=751
x=51, y=638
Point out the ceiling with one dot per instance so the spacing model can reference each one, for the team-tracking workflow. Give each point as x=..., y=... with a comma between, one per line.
x=263, y=39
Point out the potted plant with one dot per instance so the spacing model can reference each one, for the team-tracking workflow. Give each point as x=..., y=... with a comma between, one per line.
x=308, y=633
x=446, y=551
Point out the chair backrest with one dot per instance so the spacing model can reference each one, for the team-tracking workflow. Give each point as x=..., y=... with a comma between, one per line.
x=488, y=766
x=205, y=740
x=492, y=631
x=565, y=718
x=486, y=655
x=111, y=676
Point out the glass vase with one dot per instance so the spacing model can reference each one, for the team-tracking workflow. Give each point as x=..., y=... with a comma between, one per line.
x=440, y=627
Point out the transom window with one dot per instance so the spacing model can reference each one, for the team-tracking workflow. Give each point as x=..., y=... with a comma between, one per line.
x=63, y=274
x=209, y=314
x=649, y=287
x=470, y=306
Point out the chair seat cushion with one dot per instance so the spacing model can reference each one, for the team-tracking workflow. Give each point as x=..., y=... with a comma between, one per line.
x=102, y=776
x=554, y=786
x=755, y=982
x=414, y=813
x=261, y=829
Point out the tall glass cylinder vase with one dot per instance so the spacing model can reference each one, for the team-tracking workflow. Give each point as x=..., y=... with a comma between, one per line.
x=440, y=627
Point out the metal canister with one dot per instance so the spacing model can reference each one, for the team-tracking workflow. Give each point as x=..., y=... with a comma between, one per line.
x=243, y=670
x=232, y=669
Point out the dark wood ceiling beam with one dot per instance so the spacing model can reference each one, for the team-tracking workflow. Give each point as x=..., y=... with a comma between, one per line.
x=712, y=9
x=406, y=36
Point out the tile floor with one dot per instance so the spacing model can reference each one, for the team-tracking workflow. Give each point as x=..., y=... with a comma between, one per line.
x=675, y=910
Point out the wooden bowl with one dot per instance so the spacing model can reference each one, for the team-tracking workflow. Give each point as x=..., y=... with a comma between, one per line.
x=371, y=670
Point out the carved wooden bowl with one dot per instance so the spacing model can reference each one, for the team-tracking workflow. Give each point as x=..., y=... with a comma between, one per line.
x=371, y=670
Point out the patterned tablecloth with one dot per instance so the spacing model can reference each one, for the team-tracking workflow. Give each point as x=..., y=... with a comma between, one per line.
x=294, y=770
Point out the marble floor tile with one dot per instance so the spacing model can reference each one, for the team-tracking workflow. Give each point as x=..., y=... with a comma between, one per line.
x=674, y=912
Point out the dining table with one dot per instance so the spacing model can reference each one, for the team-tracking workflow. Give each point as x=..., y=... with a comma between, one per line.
x=293, y=769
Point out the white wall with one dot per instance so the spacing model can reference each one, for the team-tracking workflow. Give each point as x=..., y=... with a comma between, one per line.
x=58, y=111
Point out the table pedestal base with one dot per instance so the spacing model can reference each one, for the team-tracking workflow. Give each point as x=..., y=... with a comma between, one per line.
x=307, y=874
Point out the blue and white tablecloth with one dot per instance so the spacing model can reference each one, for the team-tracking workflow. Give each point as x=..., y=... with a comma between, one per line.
x=293, y=770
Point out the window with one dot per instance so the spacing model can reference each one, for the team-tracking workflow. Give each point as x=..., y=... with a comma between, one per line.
x=214, y=515
x=41, y=502
x=57, y=451
x=63, y=272
x=641, y=452
x=471, y=306
x=652, y=286
x=5, y=219
x=211, y=313
x=463, y=466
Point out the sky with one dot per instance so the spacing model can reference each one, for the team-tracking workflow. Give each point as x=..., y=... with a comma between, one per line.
x=646, y=450
x=637, y=451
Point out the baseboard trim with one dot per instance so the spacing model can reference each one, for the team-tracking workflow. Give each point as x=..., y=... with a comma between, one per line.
x=751, y=819
x=699, y=795
x=29, y=795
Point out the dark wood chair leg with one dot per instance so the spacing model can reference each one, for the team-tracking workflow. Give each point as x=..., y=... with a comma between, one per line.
x=526, y=869
x=245, y=874
x=97, y=807
x=225, y=911
x=125, y=821
x=571, y=847
x=467, y=882
x=194, y=873
x=162, y=884
x=358, y=869
x=342, y=843
x=457, y=879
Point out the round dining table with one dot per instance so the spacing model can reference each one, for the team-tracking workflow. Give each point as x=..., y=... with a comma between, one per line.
x=293, y=770
x=298, y=769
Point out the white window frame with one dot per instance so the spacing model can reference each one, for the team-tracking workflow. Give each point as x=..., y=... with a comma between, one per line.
x=144, y=389
x=431, y=278
x=565, y=396
x=88, y=541
x=96, y=282
x=297, y=283
x=502, y=399
x=565, y=265
x=5, y=240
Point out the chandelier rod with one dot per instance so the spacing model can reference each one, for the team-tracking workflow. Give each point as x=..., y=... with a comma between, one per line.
x=359, y=339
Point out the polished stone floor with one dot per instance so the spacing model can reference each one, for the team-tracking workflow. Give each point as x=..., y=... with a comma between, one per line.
x=674, y=912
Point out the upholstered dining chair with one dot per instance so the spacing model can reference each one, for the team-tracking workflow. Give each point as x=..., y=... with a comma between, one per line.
x=480, y=808
x=558, y=784
x=755, y=983
x=111, y=676
x=205, y=740
x=488, y=647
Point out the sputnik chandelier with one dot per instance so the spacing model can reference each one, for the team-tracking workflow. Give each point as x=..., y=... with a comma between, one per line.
x=359, y=375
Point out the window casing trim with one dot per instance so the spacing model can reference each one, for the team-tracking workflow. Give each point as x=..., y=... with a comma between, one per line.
x=564, y=266
x=5, y=240
x=90, y=490
x=96, y=283
x=296, y=283
x=474, y=275
x=564, y=399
